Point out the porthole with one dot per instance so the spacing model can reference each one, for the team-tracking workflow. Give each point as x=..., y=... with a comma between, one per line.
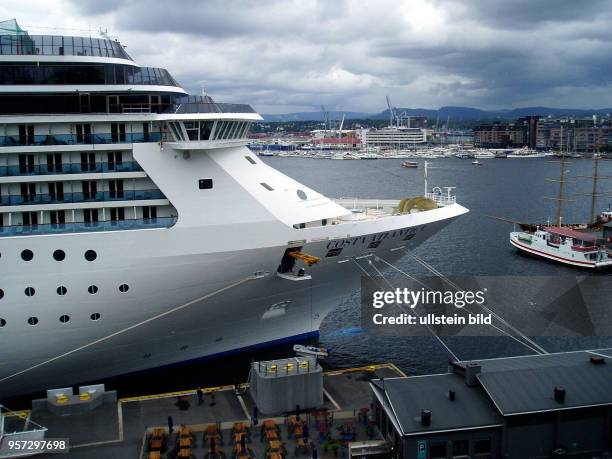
x=64, y=319
x=302, y=195
x=33, y=320
x=95, y=316
x=124, y=288
x=27, y=255
x=61, y=290
x=93, y=289
x=29, y=291
x=2, y=322
x=91, y=255
x=59, y=255
x=1, y=293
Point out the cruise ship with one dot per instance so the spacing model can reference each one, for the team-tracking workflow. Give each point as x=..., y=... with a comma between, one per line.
x=137, y=230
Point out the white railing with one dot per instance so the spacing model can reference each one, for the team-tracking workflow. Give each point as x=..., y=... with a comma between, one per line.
x=441, y=199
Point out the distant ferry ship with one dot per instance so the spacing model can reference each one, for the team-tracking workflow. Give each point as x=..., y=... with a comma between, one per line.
x=137, y=230
x=564, y=245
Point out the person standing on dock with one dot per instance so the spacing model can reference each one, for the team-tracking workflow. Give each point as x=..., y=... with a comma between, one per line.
x=170, y=426
x=200, y=396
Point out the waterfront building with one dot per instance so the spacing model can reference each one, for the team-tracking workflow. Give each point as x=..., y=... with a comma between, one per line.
x=513, y=407
x=393, y=137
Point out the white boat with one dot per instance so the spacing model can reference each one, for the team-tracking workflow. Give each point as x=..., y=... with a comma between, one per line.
x=525, y=153
x=476, y=163
x=137, y=230
x=311, y=351
x=484, y=154
x=564, y=245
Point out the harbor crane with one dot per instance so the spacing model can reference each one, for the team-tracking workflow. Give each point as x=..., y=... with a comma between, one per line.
x=325, y=116
x=391, y=112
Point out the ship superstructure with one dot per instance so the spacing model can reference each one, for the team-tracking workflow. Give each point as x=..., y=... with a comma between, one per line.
x=137, y=230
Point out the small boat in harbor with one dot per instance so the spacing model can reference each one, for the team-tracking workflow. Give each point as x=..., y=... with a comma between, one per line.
x=410, y=164
x=564, y=245
x=476, y=163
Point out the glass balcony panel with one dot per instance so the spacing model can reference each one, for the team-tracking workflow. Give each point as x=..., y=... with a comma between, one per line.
x=77, y=227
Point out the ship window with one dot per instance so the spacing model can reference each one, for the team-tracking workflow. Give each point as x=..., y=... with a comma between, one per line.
x=205, y=129
x=117, y=214
x=59, y=255
x=205, y=184
x=61, y=290
x=374, y=244
x=91, y=255
x=192, y=129
x=117, y=132
x=29, y=291
x=302, y=195
x=92, y=289
x=83, y=133
x=124, y=288
x=2, y=322
x=149, y=213
x=27, y=255
x=249, y=159
x=64, y=319
x=175, y=131
x=266, y=186
x=95, y=316
x=33, y=320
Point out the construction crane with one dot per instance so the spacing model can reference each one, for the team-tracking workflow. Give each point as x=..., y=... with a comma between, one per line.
x=325, y=116
x=340, y=129
x=391, y=112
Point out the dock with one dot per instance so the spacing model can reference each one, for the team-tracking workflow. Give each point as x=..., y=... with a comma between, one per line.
x=126, y=428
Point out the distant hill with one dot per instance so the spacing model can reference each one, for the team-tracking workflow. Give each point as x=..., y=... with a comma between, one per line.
x=455, y=113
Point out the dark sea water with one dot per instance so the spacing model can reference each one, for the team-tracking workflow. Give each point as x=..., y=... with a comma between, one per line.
x=475, y=244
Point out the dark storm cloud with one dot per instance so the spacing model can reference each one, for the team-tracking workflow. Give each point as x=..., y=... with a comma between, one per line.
x=522, y=14
x=296, y=54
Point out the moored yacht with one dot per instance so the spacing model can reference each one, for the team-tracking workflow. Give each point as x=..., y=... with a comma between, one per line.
x=564, y=245
x=137, y=230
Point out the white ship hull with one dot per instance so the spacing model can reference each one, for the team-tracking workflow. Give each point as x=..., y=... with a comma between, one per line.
x=181, y=267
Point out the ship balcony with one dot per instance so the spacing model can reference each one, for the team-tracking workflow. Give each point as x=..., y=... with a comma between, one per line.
x=81, y=227
x=74, y=139
x=68, y=168
x=66, y=198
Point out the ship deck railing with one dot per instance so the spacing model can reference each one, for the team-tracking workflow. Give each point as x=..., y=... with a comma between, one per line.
x=83, y=227
x=68, y=168
x=70, y=197
x=74, y=139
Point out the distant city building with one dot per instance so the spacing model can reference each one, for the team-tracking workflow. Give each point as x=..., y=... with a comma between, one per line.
x=393, y=137
x=583, y=135
x=519, y=133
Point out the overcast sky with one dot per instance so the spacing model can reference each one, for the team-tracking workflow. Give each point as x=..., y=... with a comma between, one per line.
x=282, y=55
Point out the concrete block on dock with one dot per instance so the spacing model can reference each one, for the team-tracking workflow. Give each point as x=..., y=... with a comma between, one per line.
x=279, y=386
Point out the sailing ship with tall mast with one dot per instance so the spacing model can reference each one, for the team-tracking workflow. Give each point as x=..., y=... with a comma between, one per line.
x=562, y=243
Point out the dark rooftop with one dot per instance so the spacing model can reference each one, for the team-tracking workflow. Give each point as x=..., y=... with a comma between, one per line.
x=526, y=384
x=408, y=396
